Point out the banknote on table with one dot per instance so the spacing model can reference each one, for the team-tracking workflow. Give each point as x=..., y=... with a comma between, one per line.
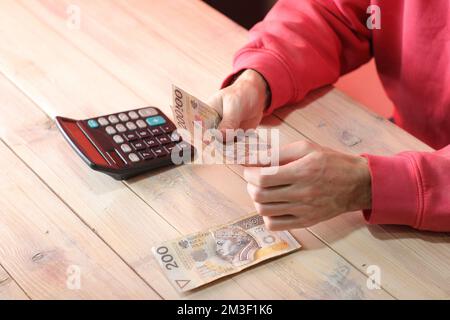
x=189, y=112
x=199, y=258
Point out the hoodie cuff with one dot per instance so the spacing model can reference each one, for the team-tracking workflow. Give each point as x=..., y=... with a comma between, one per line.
x=272, y=68
x=397, y=196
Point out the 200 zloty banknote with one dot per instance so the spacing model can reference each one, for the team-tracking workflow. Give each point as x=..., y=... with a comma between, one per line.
x=197, y=259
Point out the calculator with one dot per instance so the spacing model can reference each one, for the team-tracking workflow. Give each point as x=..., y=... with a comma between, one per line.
x=125, y=144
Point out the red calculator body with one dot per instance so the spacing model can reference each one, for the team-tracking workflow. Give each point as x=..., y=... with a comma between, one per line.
x=124, y=144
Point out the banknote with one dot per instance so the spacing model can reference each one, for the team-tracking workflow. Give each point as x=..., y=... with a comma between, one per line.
x=190, y=113
x=194, y=260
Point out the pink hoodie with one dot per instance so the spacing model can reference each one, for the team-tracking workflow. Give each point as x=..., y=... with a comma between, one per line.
x=304, y=44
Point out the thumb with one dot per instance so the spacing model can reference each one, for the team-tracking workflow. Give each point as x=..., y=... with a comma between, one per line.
x=228, y=107
x=231, y=115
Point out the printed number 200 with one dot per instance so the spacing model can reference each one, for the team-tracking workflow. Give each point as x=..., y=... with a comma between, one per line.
x=167, y=258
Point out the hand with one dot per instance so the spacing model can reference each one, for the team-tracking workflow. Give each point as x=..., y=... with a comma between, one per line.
x=312, y=184
x=241, y=104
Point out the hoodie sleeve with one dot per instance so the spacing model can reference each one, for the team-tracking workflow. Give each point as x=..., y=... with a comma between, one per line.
x=411, y=188
x=303, y=45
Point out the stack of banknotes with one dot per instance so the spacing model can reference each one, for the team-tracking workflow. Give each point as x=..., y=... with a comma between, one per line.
x=194, y=260
x=197, y=123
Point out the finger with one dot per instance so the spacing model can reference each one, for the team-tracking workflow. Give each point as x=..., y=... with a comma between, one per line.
x=215, y=102
x=281, y=223
x=283, y=155
x=281, y=208
x=267, y=195
x=278, y=176
x=294, y=151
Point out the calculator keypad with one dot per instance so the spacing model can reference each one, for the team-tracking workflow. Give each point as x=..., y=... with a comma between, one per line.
x=118, y=139
x=139, y=135
x=113, y=119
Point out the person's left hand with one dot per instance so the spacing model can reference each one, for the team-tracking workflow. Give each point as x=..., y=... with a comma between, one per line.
x=312, y=184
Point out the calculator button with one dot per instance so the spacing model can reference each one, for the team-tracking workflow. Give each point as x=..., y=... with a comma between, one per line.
x=138, y=145
x=130, y=136
x=155, y=121
x=93, y=124
x=160, y=152
x=125, y=148
x=143, y=133
x=103, y=122
x=148, y=112
x=110, y=130
x=168, y=128
x=133, y=115
x=147, y=154
x=123, y=117
x=133, y=157
x=118, y=139
x=131, y=126
x=121, y=128
x=151, y=142
x=175, y=137
x=169, y=147
x=113, y=119
x=164, y=139
x=156, y=131
x=141, y=123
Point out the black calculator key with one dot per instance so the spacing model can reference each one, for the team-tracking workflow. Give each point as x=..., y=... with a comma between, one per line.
x=156, y=131
x=131, y=136
x=164, y=139
x=143, y=133
x=138, y=145
x=167, y=128
x=147, y=154
x=160, y=152
x=151, y=142
x=169, y=147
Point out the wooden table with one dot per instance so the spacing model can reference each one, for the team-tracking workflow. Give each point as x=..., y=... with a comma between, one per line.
x=56, y=213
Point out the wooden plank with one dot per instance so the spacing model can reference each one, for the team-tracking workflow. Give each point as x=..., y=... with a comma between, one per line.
x=180, y=24
x=46, y=248
x=9, y=289
x=181, y=179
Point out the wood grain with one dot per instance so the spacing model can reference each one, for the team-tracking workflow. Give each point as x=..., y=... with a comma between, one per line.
x=43, y=242
x=9, y=289
x=116, y=211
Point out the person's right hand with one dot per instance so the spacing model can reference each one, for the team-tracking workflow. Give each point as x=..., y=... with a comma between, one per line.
x=241, y=105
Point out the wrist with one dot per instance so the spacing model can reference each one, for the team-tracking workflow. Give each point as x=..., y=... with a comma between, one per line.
x=363, y=196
